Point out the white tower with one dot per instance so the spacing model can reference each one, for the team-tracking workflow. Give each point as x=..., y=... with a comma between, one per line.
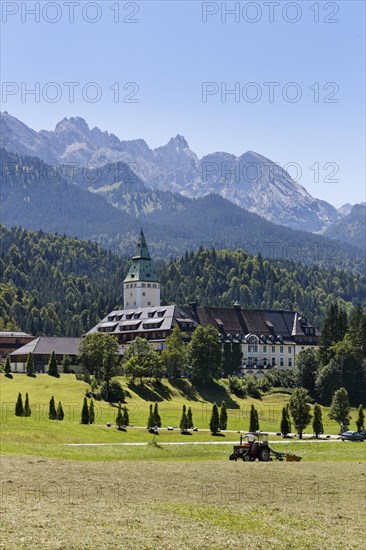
x=141, y=287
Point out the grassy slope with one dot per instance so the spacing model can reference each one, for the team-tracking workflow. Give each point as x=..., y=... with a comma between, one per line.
x=38, y=435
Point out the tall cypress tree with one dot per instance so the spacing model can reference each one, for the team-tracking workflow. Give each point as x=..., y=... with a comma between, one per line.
x=285, y=426
x=119, y=417
x=52, y=413
x=253, y=419
x=215, y=420
x=126, y=418
x=29, y=366
x=19, y=409
x=151, y=419
x=85, y=412
x=91, y=412
x=52, y=365
x=27, y=409
x=60, y=412
x=189, y=418
x=183, y=421
x=318, y=427
x=223, y=416
x=157, y=416
x=7, y=368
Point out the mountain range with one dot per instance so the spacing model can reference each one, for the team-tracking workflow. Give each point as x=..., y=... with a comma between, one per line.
x=90, y=184
x=250, y=181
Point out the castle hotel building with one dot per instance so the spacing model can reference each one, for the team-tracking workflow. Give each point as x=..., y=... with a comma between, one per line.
x=267, y=338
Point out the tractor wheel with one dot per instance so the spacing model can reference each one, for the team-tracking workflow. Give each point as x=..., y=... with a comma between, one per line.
x=246, y=458
x=264, y=454
x=233, y=456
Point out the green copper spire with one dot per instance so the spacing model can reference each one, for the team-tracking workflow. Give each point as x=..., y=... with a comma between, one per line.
x=141, y=268
x=142, y=252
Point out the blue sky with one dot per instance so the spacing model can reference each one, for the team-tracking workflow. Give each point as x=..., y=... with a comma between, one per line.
x=170, y=52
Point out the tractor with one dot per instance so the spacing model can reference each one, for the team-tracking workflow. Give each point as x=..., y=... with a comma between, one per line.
x=252, y=446
x=255, y=445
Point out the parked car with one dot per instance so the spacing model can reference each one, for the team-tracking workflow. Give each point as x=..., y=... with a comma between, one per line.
x=363, y=433
x=352, y=436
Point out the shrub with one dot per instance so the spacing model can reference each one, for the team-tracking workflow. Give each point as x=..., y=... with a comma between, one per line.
x=237, y=387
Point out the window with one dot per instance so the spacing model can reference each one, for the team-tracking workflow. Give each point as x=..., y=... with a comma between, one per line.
x=264, y=349
x=149, y=303
x=252, y=344
x=143, y=285
x=273, y=349
x=281, y=362
x=273, y=361
x=154, y=286
x=281, y=349
x=148, y=285
x=143, y=293
x=289, y=362
x=130, y=293
x=290, y=349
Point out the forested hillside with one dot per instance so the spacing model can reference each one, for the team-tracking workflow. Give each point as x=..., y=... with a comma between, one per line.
x=56, y=285
x=219, y=278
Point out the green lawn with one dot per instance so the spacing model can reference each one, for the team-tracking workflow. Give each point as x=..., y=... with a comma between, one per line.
x=38, y=435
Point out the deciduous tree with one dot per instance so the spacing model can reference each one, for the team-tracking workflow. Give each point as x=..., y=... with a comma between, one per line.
x=340, y=408
x=300, y=409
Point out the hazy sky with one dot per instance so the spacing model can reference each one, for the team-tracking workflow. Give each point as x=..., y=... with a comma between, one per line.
x=156, y=69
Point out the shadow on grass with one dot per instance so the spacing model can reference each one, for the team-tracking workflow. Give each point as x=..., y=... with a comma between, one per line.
x=185, y=387
x=151, y=391
x=218, y=434
x=215, y=393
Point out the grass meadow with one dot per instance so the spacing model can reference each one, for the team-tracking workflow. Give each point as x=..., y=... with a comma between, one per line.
x=69, y=486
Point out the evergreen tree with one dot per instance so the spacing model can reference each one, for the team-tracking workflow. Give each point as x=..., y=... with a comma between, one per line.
x=91, y=412
x=52, y=365
x=285, y=426
x=318, y=427
x=189, y=418
x=183, y=421
x=126, y=418
x=360, y=422
x=27, y=409
x=85, y=412
x=253, y=419
x=7, y=368
x=19, y=410
x=151, y=420
x=66, y=364
x=60, y=412
x=333, y=330
x=119, y=417
x=215, y=420
x=156, y=415
x=300, y=410
x=340, y=409
x=29, y=366
x=52, y=413
x=223, y=416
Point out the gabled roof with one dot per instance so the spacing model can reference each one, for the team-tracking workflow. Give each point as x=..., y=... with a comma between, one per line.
x=44, y=345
